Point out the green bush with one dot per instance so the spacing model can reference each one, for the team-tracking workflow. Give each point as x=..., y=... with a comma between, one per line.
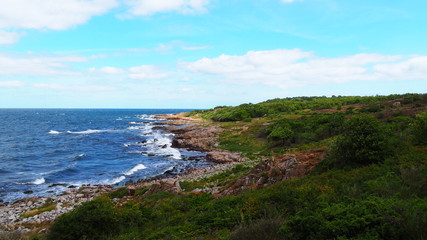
x=368, y=219
x=363, y=141
x=97, y=219
x=419, y=129
x=261, y=229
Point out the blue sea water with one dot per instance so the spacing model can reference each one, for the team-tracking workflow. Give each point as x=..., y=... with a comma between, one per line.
x=40, y=148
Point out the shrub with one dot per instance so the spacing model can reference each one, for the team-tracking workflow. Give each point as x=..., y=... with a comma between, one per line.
x=97, y=219
x=419, y=129
x=368, y=219
x=363, y=141
x=261, y=229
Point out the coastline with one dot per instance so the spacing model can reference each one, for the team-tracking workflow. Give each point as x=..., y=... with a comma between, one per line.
x=189, y=133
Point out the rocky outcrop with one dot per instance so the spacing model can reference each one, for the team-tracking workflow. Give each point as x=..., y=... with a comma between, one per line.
x=223, y=156
x=274, y=170
x=195, y=137
x=164, y=185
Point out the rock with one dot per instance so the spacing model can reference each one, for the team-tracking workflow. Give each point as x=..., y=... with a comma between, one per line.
x=273, y=170
x=165, y=185
x=131, y=190
x=222, y=156
x=396, y=104
x=197, y=191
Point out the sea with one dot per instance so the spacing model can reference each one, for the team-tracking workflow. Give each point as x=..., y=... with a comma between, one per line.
x=44, y=152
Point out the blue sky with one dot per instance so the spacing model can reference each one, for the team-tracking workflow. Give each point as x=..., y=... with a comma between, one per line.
x=205, y=53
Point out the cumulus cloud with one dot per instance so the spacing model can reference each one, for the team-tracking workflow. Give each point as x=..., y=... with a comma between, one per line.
x=143, y=72
x=107, y=70
x=294, y=68
x=63, y=87
x=147, y=72
x=50, y=14
x=150, y=7
x=9, y=37
x=34, y=65
x=11, y=84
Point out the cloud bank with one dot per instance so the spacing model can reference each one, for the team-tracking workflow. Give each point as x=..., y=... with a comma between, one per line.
x=295, y=68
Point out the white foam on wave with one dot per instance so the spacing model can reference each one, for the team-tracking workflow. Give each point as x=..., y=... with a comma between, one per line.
x=53, y=132
x=161, y=144
x=145, y=129
x=147, y=117
x=135, y=169
x=89, y=131
x=39, y=181
x=116, y=180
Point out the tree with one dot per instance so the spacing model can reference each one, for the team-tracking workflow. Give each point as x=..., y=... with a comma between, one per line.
x=363, y=141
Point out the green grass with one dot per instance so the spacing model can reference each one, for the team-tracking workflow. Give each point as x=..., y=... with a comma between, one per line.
x=220, y=179
x=48, y=206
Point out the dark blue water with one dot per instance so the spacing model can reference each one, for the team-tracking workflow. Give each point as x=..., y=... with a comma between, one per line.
x=42, y=147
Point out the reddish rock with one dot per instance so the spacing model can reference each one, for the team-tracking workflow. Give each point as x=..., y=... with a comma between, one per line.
x=274, y=170
x=165, y=185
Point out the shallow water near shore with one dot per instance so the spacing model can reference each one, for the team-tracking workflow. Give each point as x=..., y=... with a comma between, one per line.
x=45, y=151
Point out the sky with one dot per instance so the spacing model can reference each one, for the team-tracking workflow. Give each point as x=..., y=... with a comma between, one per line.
x=206, y=53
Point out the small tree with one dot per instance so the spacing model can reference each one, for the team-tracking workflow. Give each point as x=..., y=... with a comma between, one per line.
x=363, y=141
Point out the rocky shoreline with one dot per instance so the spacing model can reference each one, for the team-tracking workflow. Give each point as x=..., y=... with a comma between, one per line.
x=193, y=134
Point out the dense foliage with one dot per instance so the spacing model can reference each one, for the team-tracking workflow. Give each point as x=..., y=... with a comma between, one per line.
x=363, y=140
x=381, y=193
x=298, y=105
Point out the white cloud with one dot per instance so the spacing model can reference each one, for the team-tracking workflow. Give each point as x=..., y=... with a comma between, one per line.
x=9, y=37
x=295, y=68
x=143, y=72
x=107, y=70
x=50, y=14
x=146, y=72
x=63, y=87
x=34, y=65
x=150, y=7
x=11, y=84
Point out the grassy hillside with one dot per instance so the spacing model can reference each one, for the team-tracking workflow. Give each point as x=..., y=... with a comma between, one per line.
x=371, y=185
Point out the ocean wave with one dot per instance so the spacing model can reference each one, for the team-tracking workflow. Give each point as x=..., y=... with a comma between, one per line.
x=115, y=180
x=53, y=132
x=147, y=117
x=90, y=131
x=80, y=156
x=161, y=145
x=39, y=181
x=135, y=169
